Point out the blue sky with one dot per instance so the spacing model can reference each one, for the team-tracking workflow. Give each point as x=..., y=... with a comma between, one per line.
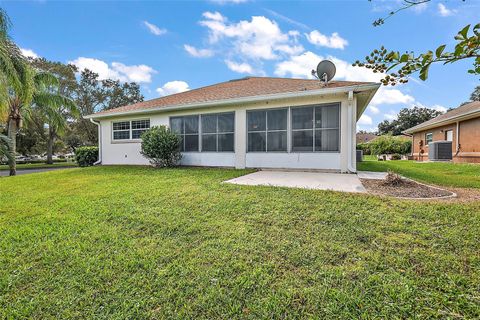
x=172, y=46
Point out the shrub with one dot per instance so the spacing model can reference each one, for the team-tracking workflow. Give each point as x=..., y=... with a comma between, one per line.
x=365, y=147
x=86, y=156
x=161, y=146
x=388, y=144
x=396, y=156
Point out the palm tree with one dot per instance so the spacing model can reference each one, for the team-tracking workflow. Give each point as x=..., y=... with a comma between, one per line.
x=5, y=148
x=38, y=90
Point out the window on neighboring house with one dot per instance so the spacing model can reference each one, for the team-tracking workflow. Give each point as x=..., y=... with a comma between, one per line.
x=218, y=132
x=267, y=130
x=428, y=138
x=188, y=129
x=129, y=130
x=316, y=128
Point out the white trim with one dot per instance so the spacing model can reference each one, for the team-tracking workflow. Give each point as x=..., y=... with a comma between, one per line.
x=226, y=102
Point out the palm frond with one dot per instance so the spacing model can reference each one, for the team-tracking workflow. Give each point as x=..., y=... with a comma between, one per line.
x=6, y=148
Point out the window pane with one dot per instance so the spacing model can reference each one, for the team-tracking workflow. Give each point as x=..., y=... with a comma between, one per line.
x=140, y=124
x=191, y=124
x=176, y=124
x=121, y=135
x=326, y=140
x=327, y=116
x=277, y=119
x=136, y=134
x=209, y=142
x=124, y=125
x=191, y=142
x=256, y=120
x=256, y=141
x=277, y=141
x=209, y=123
x=182, y=143
x=302, y=140
x=302, y=118
x=225, y=142
x=226, y=122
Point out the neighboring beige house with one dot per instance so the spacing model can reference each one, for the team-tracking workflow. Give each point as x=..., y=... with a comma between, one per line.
x=253, y=122
x=364, y=137
x=460, y=125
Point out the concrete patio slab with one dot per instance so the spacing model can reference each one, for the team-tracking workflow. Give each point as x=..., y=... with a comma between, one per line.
x=371, y=175
x=306, y=180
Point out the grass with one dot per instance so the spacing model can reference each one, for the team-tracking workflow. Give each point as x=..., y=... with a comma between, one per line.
x=40, y=165
x=448, y=174
x=136, y=243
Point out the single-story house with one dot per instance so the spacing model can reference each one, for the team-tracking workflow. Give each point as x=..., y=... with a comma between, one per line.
x=460, y=125
x=253, y=122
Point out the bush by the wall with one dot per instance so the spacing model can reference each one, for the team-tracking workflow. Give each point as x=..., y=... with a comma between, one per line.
x=365, y=147
x=388, y=144
x=86, y=156
x=161, y=146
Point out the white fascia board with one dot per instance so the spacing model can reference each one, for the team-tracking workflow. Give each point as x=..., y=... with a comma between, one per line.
x=227, y=102
x=466, y=116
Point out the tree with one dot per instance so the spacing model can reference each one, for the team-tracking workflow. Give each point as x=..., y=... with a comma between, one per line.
x=95, y=95
x=407, y=118
x=38, y=90
x=5, y=149
x=475, y=96
x=57, y=116
x=399, y=66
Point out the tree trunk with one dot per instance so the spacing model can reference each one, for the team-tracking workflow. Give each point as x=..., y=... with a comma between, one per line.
x=51, y=138
x=12, y=134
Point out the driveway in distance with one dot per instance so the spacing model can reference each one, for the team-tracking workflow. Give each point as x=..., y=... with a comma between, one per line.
x=5, y=173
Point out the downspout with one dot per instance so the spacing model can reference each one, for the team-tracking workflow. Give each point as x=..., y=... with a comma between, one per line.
x=352, y=123
x=457, y=136
x=99, y=161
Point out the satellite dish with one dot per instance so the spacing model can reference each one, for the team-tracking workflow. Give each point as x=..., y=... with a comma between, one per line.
x=325, y=71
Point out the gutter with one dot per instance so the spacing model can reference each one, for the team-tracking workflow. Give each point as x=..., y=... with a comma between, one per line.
x=99, y=161
x=352, y=114
x=227, y=102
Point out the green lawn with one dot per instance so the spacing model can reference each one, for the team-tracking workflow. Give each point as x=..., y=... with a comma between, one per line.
x=134, y=243
x=440, y=173
x=40, y=165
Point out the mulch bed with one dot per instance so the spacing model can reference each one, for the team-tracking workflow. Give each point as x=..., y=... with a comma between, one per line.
x=405, y=189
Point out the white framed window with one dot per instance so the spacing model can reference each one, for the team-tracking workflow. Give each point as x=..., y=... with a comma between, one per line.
x=267, y=130
x=129, y=129
x=217, y=132
x=428, y=138
x=316, y=128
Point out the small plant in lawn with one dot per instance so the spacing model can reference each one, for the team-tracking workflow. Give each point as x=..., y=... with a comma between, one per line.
x=393, y=179
x=161, y=146
x=86, y=156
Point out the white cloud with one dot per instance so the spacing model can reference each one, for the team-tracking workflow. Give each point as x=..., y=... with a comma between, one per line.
x=116, y=70
x=257, y=39
x=437, y=107
x=444, y=11
x=334, y=41
x=239, y=67
x=391, y=115
x=29, y=53
x=373, y=109
x=172, y=87
x=365, y=120
x=154, y=29
x=391, y=96
x=198, y=53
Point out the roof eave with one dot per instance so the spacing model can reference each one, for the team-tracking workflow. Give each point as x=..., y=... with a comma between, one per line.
x=360, y=87
x=466, y=116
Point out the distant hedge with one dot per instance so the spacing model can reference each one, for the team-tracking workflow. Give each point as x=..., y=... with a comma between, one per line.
x=86, y=156
x=387, y=144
